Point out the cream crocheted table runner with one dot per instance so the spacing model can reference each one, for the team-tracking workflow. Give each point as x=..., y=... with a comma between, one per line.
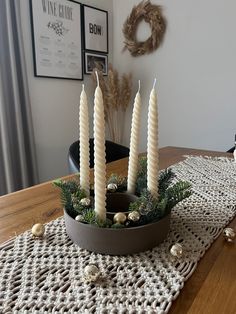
x=45, y=276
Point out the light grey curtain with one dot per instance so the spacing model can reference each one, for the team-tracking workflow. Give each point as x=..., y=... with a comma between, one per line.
x=18, y=167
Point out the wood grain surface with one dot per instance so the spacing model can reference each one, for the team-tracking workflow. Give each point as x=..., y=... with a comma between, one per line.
x=211, y=288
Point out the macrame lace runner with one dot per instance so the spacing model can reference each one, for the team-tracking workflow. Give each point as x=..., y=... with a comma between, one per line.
x=46, y=275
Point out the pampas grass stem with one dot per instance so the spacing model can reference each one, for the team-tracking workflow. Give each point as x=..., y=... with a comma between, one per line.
x=116, y=98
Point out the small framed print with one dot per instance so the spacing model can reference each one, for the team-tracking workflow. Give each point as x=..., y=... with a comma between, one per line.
x=95, y=29
x=57, y=39
x=93, y=60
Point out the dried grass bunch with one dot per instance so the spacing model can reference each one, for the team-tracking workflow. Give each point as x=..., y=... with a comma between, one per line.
x=116, y=98
x=151, y=14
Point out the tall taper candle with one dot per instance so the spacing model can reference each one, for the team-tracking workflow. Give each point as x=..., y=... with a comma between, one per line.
x=84, y=141
x=152, y=144
x=99, y=155
x=134, y=140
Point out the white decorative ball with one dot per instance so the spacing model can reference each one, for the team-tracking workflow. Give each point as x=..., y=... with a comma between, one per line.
x=176, y=250
x=79, y=218
x=38, y=230
x=85, y=201
x=91, y=273
x=229, y=234
x=112, y=187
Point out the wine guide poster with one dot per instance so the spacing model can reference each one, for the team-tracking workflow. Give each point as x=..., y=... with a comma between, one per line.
x=56, y=27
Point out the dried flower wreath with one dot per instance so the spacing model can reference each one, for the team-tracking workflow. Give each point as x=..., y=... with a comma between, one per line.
x=151, y=14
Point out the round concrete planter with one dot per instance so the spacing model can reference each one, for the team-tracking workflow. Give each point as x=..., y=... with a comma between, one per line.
x=117, y=241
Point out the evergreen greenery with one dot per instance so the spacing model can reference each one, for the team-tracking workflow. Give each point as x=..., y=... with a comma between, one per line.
x=117, y=226
x=141, y=182
x=165, y=179
x=151, y=209
x=90, y=217
x=120, y=181
x=71, y=194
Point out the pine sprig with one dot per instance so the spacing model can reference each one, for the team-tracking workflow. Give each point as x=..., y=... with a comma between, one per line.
x=177, y=193
x=151, y=209
x=70, y=195
x=66, y=194
x=142, y=167
x=141, y=182
x=90, y=217
x=120, y=181
x=165, y=179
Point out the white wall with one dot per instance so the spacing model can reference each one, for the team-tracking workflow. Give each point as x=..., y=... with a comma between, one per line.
x=196, y=72
x=55, y=104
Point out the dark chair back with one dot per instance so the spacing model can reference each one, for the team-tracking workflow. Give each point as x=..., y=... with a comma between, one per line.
x=231, y=150
x=113, y=152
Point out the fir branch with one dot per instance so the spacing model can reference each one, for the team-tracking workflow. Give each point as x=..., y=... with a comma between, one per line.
x=120, y=181
x=177, y=193
x=150, y=208
x=117, y=226
x=113, y=179
x=165, y=179
x=65, y=195
x=90, y=217
x=70, y=195
x=141, y=182
x=142, y=167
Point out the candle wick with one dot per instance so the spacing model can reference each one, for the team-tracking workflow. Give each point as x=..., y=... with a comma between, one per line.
x=154, y=83
x=97, y=77
x=138, y=86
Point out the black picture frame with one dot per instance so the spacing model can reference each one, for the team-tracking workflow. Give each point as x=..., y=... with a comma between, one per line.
x=89, y=62
x=57, y=39
x=95, y=29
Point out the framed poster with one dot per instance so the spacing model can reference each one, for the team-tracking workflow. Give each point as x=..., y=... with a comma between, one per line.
x=91, y=60
x=95, y=29
x=56, y=32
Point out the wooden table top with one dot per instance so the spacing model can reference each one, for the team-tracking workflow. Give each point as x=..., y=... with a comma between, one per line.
x=211, y=288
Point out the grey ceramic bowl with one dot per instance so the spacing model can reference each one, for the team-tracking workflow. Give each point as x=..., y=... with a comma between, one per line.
x=119, y=202
x=117, y=241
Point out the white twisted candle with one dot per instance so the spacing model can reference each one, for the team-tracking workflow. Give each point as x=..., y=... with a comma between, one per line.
x=152, y=144
x=84, y=142
x=99, y=155
x=134, y=140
